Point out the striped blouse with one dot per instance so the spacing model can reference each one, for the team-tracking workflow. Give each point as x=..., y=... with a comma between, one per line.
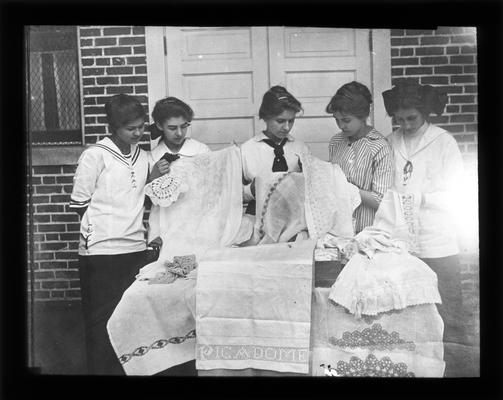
x=368, y=164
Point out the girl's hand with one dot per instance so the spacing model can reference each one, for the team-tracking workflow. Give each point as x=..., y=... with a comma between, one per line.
x=159, y=169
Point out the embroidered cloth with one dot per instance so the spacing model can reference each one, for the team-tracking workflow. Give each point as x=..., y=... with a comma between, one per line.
x=405, y=343
x=254, y=308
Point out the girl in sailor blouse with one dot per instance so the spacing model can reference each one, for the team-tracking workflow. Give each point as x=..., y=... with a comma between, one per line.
x=108, y=194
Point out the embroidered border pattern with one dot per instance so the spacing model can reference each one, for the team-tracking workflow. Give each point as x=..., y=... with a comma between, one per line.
x=297, y=355
x=407, y=201
x=158, y=344
x=373, y=338
x=372, y=366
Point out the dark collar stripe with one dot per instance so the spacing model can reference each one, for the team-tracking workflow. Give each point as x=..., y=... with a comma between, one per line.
x=135, y=155
x=114, y=153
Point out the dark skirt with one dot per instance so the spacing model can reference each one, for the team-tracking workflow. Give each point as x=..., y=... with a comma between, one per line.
x=448, y=272
x=103, y=280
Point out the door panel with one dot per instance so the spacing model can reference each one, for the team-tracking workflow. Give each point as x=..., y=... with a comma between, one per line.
x=312, y=63
x=221, y=73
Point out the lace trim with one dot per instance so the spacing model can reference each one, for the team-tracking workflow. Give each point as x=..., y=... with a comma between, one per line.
x=165, y=190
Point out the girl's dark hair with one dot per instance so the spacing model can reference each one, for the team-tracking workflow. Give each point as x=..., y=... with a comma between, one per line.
x=171, y=107
x=352, y=98
x=122, y=109
x=276, y=100
x=410, y=94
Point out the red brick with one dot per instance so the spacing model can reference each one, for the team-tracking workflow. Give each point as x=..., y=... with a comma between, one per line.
x=471, y=88
x=435, y=119
x=415, y=32
x=434, y=60
x=94, y=110
x=452, y=50
x=462, y=99
x=108, y=80
x=465, y=138
x=395, y=52
x=42, y=295
x=39, y=256
x=405, y=61
x=73, y=227
x=140, y=70
x=463, y=78
x=93, y=90
x=451, y=89
x=95, y=128
x=143, y=89
x=44, y=275
x=65, y=218
x=452, y=109
x=55, y=285
x=88, y=81
x=463, y=118
x=133, y=79
x=449, y=69
x=139, y=50
x=73, y=264
x=38, y=218
x=136, y=60
x=469, y=108
x=397, y=32
x=448, y=30
x=90, y=32
x=75, y=284
x=117, y=51
x=430, y=51
x=118, y=61
x=138, y=30
x=92, y=52
x=89, y=120
x=471, y=127
x=434, y=80
x=462, y=59
x=61, y=198
x=428, y=40
x=45, y=170
x=53, y=246
x=468, y=49
x=395, y=81
x=87, y=62
x=57, y=294
x=64, y=179
x=102, y=61
x=90, y=101
x=406, y=51
x=67, y=274
x=93, y=71
x=120, y=71
x=396, y=71
x=418, y=71
x=109, y=41
x=69, y=236
x=86, y=42
x=117, y=31
x=463, y=39
x=40, y=199
x=66, y=255
x=453, y=128
x=119, y=89
x=48, y=189
x=72, y=294
x=53, y=264
x=52, y=228
x=132, y=40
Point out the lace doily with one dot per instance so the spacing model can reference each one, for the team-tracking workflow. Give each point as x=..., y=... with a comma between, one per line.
x=165, y=190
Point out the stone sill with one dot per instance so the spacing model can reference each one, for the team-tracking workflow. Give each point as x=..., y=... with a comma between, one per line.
x=56, y=155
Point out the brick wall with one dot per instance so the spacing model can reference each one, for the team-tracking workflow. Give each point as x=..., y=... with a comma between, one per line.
x=114, y=61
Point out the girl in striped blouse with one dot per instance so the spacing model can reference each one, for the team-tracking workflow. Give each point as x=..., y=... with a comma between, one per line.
x=361, y=151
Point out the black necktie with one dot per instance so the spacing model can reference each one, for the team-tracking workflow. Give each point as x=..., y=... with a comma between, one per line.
x=279, y=164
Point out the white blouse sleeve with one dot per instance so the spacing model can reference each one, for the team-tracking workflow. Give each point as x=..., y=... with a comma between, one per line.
x=89, y=168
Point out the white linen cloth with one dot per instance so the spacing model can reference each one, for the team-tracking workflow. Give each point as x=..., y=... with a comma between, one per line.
x=254, y=308
x=405, y=343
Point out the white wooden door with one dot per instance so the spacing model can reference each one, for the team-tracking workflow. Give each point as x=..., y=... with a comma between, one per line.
x=223, y=72
x=312, y=63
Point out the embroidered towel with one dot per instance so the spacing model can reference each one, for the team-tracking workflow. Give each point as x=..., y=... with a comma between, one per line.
x=254, y=308
x=405, y=343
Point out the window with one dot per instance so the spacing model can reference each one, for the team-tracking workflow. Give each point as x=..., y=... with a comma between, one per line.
x=54, y=90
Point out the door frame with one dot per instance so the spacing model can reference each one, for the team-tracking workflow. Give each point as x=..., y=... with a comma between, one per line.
x=380, y=57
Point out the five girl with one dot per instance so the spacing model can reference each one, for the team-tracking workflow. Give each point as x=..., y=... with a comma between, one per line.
x=109, y=184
